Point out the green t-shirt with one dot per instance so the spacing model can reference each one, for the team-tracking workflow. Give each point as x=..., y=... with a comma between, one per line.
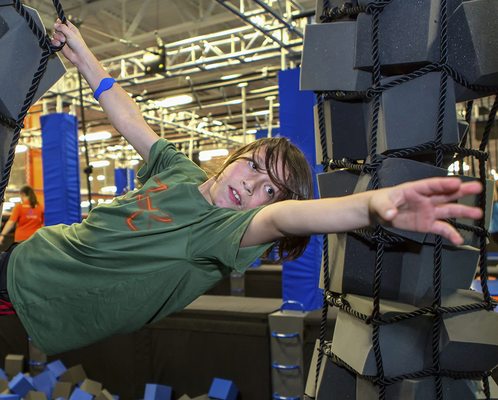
x=147, y=254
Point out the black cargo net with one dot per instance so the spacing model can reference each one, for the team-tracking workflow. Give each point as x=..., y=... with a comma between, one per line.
x=381, y=238
x=47, y=50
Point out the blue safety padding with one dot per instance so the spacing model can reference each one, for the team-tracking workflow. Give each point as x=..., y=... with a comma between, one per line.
x=61, y=169
x=300, y=277
x=124, y=179
x=262, y=133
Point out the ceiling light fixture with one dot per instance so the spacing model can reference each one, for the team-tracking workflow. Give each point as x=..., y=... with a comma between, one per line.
x=21, y=148
x=175, y=101
x=101, y=135
x=100, y=163
x=206, y=155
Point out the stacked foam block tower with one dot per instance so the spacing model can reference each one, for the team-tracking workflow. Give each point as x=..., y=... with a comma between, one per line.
x=389, y=76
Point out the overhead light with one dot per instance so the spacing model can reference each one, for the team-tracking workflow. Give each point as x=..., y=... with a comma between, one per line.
x=218, y=123
x=262, y=112
x=175, y=101
x=238, y=101
x=206, y=155
x=21, y=148
x=101, y=177
x=228, y=77
x=8, y=205
x=108, y=189
x=101, y=135
x=251, y=131
x=100, y=163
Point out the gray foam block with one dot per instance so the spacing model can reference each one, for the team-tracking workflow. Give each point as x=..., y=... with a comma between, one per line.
x=20, y=47
x=407, y=269
x=408, y=35
x=346, y=129
x=327, y=60
x=337, y=183
x=409, y=113
x=406, y=346
x=473, y=42
x=425, y=389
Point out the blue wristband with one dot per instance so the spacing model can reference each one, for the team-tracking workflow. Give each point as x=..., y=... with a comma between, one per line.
x=105, y=84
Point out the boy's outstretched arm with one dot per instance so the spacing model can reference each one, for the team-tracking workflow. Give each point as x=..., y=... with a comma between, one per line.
x=122, y=111
x=420, y=206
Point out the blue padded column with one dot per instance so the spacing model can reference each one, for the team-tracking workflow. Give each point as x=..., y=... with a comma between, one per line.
x=61, y=169
x=124, y=179
x=300, y=277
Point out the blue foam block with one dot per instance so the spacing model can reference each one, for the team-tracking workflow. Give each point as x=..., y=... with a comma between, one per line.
x=157, y=392
x=45, y=382
x=222, y=389
x=20, y=385
x=79, y=394
x=56, y=367
x=3, y=375
x=10, y=397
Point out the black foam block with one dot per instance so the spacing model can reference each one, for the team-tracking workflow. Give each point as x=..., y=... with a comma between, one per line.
x=409, y=113
x=346, y=129
x=407, y=269
x=337, y=183
x=335, y=383
x=408, y=35
x=327, y=61
x=21, y=56
x=472, y=44
x=468, y=341
x=6, y=135
x=425, y=389
x=406, y=346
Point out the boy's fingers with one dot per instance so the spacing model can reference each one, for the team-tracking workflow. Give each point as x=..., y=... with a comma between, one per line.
x=458, y=211
x=449, y=232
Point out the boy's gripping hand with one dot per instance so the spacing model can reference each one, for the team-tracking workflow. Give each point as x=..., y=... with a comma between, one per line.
x=75, y=50
x=423, y=205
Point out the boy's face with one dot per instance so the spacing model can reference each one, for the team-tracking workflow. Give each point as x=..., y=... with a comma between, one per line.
x=245, y=184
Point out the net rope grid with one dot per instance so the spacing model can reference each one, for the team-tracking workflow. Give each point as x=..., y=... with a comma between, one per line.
x=47, y=50
x=382, y=238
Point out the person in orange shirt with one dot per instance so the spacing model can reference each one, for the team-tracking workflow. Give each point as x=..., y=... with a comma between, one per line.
x=27, y=216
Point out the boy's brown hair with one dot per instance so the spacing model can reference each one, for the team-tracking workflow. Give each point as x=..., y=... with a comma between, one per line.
x=295, y=184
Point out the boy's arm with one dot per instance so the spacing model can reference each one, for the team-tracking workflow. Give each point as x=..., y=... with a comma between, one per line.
x=420, y=206
x=122, y=111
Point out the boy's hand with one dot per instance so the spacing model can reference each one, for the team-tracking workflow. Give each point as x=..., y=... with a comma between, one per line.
x=423, y=205
x=75, y=50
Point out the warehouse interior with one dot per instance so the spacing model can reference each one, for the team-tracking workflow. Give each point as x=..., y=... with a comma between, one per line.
x=205, y=75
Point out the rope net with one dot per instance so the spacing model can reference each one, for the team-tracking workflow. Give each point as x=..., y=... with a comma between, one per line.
x=47, y=50
x=380, y=237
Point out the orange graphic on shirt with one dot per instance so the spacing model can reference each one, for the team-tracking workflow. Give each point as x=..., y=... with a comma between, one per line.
x=144, y=203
